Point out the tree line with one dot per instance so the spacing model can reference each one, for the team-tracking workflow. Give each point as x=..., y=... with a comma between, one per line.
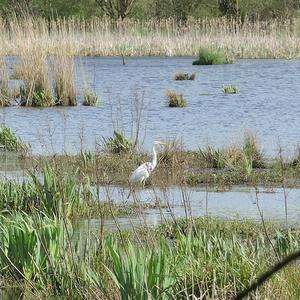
x=145, y=9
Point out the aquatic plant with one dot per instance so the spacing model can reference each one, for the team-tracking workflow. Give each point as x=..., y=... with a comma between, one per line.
x=252, y=150
x=141, y=273
x=64, y=80
x=230, y=89
x=33, y=69
x=5, y=91
x=185, y=76
x=208, y=57
x=118, y=144
x=175, y=99
x=90, y=98
x=212, y=158
x=9, y=141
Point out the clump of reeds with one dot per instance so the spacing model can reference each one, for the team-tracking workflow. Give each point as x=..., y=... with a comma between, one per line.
x=90, y=98
x=64, y=80
x=34, y=71
x=230, y=89
x=9, y=141
x=118, y=144
x=5, y=91
x=185, y=76
x=208, y=57
x=175, y=99
x=252, y=150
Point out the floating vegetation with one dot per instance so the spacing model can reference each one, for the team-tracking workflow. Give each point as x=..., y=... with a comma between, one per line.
x=207, y=57
x=9, y=141
x=118, y=144
x=230, y=89
x=185, y=76
x=90, y=98
x=175, y=99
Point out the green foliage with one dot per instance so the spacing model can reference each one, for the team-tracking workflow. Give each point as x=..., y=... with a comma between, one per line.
x=175, y=100
x=118, y=144
x=213, y=158
x=9, y=141
x=141, y=273
x=230, y=89
x=207, y=57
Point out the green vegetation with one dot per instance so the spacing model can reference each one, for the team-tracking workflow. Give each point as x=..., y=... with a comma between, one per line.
x=145, y=9
x=118, y=144
x=90, y=98
x=185, y=76
x=207, y=57
x=175, y=99
x=9, y=141
x=217, y=258
x=230, y=89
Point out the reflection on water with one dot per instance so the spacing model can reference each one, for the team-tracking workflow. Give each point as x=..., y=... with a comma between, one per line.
x=268, y=104
x=240, y=202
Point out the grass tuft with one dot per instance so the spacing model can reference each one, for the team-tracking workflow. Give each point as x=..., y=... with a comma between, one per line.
x=64, y=81
x=185, y=76
x=175, y=99
x=230, y=89
x=90, y=98
x=9, y=141
x=118, y=144
x=207, y=57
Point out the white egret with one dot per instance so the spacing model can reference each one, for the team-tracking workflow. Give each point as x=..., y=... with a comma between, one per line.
x=140, y=174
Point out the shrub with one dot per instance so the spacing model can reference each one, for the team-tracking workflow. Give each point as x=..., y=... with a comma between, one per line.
x=175, y=99
x=207, y=57
x=230, y=89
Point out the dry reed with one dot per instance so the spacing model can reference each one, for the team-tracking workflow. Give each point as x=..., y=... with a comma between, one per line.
x=247, y=39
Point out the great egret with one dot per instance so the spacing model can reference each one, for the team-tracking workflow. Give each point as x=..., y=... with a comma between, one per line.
x=140, y=174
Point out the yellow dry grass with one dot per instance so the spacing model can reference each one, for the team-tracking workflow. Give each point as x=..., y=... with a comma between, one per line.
x=271, y=39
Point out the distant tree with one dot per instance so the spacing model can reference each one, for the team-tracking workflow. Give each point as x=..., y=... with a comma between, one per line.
x=116, y=9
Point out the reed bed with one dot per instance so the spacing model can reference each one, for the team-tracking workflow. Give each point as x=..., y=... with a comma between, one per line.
x=104, y=37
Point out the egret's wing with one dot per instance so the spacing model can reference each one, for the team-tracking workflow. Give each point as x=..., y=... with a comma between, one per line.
x=140, y=173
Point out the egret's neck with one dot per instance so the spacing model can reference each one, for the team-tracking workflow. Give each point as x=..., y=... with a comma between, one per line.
x=154, y=157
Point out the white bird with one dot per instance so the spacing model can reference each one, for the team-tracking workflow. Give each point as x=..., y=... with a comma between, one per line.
x=140, y=174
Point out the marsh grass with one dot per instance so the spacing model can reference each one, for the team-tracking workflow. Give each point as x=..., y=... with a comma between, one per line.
x=36, y=89
x=118, y=144
x=208, y=57
x=64, y=80
x=230, y=89
x=240, y=37
x=195, y=257
x=90, y=98
x=185, y=76
x=5, y=91
x=9, y=141
x=175, y=99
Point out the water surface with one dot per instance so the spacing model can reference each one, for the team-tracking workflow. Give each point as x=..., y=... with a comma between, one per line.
x=268, y=104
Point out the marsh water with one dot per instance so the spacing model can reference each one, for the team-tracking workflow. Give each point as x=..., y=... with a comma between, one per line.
x=268, y=104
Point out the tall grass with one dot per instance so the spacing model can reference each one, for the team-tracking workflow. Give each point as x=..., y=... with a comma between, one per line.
x=237, y=37
x=34, y=71
x=64, y=80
